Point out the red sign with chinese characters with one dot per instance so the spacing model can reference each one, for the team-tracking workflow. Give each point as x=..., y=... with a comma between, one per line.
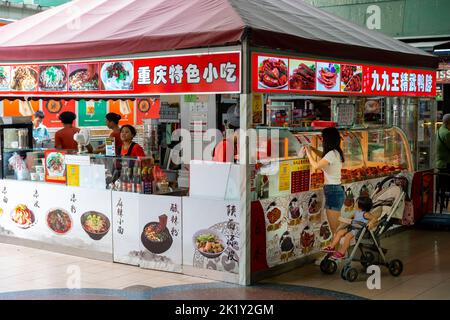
x=311, y=76
x=53, y=108
x=147, y=108
x=443, y=74
x=399, y=82
x=187, y=74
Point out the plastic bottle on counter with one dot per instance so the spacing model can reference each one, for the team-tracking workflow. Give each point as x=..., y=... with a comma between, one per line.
x=147, y=181
x=130, y=180
x=123, y=180
x=137, y=186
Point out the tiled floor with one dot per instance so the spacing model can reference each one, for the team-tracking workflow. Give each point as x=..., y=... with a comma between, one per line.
x=24, y=268
x=425, y=254
x=426, y=258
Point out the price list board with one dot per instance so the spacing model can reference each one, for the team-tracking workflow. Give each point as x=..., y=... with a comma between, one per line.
x=346, y=114
x=300, y=176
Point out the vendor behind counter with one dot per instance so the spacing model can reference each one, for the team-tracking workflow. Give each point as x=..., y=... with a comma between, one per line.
x=64, y=138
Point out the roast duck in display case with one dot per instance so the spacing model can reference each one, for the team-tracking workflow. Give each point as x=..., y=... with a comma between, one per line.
x=369, y=154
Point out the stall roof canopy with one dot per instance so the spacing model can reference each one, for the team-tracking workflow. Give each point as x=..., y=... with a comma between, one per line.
x=100, y=28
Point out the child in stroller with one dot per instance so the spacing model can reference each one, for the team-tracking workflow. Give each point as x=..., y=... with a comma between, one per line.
x=388, y=206
x=348, y=232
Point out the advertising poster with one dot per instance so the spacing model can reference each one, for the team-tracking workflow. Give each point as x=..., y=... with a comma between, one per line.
x=372, y=111
x=73, y=175
x=257, y=108
x=147, y=231
x=19, y=108
x=273, y=73
x=5, y=78
x=53, y=78
x=328, y=77
x=77, y=218
x=126, y=228
x=284, y=183
x=297, y=226
x=92, y=113
x=117, y=76
x=84, y=77
x=211, y=235
x=55, y=166
x=53, y=108
x=302, y=75
x=125, y=108
x=24, y=78
x=160, y=233
x=147, y=108
x=351, y=78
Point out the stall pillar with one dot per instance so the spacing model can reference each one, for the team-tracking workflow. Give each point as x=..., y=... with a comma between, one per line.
x=245, y=200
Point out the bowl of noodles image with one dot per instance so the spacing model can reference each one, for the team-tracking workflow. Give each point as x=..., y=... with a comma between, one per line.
x=23, y=217
x=95, y=224
x=156, y=238
x=24, y=78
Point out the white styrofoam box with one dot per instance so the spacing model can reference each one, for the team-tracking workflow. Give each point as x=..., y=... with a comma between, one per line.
x=214, y=180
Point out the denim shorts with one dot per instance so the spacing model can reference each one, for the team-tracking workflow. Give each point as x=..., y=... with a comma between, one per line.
x=334, y=197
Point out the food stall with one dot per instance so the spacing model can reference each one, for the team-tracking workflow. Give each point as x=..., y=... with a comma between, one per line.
x=221, y=220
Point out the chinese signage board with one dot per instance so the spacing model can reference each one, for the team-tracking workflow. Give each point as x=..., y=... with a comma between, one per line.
x=297, y=75
x=443, y=74
x=200, y=73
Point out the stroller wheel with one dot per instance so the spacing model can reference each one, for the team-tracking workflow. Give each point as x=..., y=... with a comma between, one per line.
x=351, y=274
x=344, y=272
x=395, y=267
x=328, y=266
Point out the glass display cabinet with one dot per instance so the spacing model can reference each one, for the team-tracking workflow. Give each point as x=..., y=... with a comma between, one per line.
x=369, y=154
x=16, y=139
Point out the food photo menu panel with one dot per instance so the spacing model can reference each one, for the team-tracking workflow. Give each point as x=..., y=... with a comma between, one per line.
x=78, y=218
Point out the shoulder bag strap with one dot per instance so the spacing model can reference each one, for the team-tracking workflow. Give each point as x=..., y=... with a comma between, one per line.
x=130, y=149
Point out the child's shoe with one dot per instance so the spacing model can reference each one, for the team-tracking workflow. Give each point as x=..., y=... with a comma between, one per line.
x=328, y=249
x=338, y=256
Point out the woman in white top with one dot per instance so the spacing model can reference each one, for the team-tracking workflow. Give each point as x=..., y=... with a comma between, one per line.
x=331, y=165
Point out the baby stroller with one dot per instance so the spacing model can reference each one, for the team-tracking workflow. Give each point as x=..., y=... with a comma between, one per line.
x=388, y=206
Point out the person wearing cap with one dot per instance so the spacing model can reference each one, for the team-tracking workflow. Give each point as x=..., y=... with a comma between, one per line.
x=64, y=138
x=40, y=132
x=443, y=157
